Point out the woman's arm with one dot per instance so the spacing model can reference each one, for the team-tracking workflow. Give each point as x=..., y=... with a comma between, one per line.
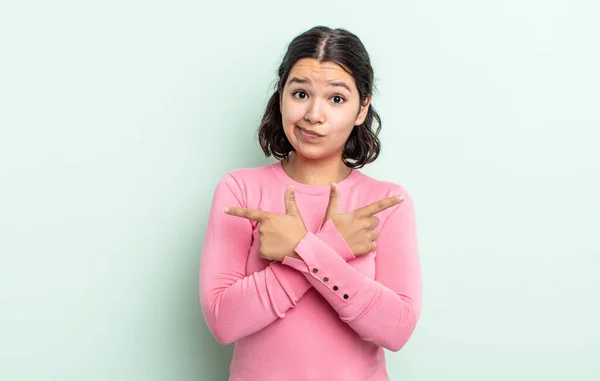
x=233, y=304
x=384, y=310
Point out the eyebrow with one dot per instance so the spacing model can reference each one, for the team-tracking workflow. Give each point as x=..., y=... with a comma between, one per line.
x=332, y=83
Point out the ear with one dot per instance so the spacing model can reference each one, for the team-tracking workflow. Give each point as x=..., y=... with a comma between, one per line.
x=364, y=109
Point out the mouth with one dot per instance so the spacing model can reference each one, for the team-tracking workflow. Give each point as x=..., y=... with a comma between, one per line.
x=310, y=134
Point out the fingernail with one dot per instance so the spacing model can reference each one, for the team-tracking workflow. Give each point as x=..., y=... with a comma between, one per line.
x=291, y=188
x=399, y=198
x=226, y=210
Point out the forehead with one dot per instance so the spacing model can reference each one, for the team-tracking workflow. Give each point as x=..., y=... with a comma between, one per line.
x=320, y=71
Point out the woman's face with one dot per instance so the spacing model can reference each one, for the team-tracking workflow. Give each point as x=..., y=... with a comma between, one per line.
x=320, y=105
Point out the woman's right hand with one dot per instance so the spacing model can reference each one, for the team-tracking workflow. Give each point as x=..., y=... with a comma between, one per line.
x=357, y=227
x=278, y=234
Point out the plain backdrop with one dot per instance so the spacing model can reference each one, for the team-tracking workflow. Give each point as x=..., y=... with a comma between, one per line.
x=118, y=118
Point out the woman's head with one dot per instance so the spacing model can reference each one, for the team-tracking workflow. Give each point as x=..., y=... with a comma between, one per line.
x=325, y=84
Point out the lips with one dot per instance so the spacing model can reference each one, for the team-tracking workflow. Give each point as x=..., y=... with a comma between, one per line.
x=310, y=133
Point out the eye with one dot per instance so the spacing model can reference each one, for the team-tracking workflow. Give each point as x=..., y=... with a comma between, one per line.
x=338, y=99
x=300, y=94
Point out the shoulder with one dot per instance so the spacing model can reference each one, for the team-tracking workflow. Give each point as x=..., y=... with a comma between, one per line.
x=370, y=190
x=246, y=182
x=249, y=177
x=373, y=188
x=250, y=173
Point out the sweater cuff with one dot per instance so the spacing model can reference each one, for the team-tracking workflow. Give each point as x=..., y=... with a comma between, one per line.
x=332, y=237
x=327, y=268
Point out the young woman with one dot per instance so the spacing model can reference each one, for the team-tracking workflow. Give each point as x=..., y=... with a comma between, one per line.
x=309, y=266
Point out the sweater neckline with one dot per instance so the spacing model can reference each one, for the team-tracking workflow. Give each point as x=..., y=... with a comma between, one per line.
x=345, y=184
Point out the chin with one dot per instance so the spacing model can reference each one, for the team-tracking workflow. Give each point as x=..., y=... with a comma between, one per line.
x=314, y=154
x=310, y=156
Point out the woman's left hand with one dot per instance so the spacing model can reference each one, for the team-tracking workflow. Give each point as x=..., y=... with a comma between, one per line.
x=278, y=234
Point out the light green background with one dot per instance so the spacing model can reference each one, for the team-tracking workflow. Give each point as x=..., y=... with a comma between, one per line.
x=119, y=117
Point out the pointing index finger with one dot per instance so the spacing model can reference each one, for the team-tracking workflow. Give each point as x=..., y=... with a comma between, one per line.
x=379, y=206
x=250, y=214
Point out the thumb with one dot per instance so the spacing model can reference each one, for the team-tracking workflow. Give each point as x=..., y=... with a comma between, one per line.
x=291, y=207
x=334, y=202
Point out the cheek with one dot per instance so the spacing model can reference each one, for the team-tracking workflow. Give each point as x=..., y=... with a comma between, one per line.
x=291, y=114
x=341, y=135
x=341, y=125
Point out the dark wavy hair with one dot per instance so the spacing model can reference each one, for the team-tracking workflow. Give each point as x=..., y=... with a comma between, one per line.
x=326, y=45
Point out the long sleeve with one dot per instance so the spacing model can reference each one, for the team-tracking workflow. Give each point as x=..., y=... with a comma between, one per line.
x=383, y=310
x=235, y=305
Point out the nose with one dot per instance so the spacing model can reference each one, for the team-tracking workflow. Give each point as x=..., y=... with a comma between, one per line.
x=314, y=113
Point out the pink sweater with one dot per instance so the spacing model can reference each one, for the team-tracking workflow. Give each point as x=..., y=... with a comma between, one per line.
x=325, y=317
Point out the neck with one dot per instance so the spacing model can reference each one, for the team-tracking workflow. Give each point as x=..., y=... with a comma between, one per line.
x=316, y=172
